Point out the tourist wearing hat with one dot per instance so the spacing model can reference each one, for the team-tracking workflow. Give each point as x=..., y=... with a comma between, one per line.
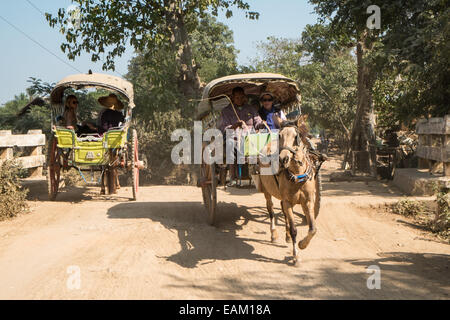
x=272, y=115
x=111, y=116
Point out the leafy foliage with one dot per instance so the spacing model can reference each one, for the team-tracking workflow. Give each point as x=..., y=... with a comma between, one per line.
x=417, y=53
x=37, y=117
x=12, y=195
x=279, y=55
x=329, y=92
x=327, y=79
x=108, y=26
x=213, y=49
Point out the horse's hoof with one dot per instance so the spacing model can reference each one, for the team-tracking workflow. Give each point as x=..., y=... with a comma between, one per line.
x=102, y=192
x=296, y=262
x=274, y=237
x=288, y=239
x=302, y=244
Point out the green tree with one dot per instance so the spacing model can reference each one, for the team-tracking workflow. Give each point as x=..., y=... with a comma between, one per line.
x=280, y=55
x=348, y=28
x=213, y=49
x=414, y=59
x=327, y=80
x=329, y=93
x=161, y=25
x=153, y=73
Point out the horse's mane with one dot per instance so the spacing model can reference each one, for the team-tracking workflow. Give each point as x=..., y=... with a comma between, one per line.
x=298, y=123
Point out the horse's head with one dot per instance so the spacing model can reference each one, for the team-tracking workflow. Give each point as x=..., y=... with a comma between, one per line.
x=292, y=149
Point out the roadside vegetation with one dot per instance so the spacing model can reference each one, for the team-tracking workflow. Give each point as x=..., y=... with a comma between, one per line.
x=12, y=194
x=432, y=215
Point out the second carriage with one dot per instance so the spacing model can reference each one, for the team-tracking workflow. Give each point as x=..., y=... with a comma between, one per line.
x=115, y=149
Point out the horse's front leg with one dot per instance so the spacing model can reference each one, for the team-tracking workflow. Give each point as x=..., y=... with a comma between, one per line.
x=269, y=204
x=289, y=214
x=288, y=232
x=308, y=209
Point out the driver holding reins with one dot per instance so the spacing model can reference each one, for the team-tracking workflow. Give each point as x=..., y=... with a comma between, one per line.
x=241, y=115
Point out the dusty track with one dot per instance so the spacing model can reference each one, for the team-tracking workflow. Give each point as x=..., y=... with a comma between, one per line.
x=161, y=248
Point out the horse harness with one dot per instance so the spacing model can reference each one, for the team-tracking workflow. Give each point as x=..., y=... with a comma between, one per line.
x=307, y=175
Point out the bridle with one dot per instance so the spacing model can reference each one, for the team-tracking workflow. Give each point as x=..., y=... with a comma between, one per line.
x=308, y=174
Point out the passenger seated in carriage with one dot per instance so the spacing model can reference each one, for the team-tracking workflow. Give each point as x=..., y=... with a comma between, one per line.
x=270, y=113
x=111, y=116
x=238, y=114
x=69, y=118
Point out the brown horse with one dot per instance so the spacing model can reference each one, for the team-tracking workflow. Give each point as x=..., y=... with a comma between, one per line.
x=297, y=182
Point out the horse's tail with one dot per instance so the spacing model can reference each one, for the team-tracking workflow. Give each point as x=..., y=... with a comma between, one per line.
x=318, y=194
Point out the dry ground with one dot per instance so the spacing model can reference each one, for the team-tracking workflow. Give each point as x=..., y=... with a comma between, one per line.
x=160, y=247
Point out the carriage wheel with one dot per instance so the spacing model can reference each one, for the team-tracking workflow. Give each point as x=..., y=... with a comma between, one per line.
x=209, y=192
x=53, y=169
x=134, y=163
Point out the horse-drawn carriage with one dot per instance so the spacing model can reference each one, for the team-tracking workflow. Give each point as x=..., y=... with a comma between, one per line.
x=114, y=149
x=295, y=179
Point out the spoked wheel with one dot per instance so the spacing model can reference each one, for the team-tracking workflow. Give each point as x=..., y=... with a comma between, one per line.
x=53, y=169
x=209, y=192
x=134, y=163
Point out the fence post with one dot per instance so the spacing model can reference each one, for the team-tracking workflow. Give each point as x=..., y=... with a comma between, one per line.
x=6, y=153
x=36, y=151
x=33, y=140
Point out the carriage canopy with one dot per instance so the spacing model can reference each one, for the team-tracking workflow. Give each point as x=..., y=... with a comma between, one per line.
x=93, y=80
x=284, y=89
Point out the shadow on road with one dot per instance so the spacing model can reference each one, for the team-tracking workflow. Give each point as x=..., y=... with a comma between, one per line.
x=38, y=192
x=404, y=275
x=201, y=243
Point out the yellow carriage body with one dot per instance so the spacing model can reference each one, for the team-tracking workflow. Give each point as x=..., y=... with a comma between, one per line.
x=90, y=150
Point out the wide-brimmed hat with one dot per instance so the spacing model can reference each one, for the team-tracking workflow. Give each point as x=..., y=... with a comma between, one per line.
x=111, y=101
x=266, y=93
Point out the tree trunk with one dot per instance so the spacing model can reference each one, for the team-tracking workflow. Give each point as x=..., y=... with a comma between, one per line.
x=188, y=80
x=363, y=133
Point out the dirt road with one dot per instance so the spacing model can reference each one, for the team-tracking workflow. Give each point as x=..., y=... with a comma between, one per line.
x=86, y=246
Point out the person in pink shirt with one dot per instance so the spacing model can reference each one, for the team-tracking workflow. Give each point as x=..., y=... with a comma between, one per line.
x=244, y=116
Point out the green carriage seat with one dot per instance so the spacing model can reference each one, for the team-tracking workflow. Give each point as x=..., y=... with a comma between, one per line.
x=115, y=138
x=90, y=150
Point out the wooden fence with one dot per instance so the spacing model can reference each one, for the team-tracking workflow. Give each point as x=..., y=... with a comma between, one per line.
x=434, y=143
x=32, y=142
